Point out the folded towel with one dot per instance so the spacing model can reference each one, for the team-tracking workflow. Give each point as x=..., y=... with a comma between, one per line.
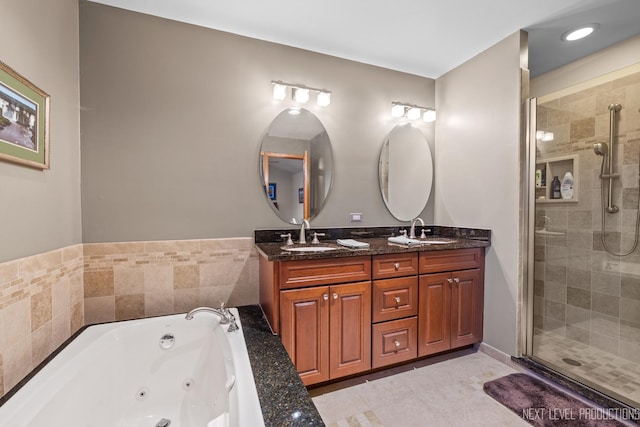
x=350, y=243
x=404, y=241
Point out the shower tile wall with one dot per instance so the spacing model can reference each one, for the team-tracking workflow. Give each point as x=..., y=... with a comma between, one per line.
x=47, y=297
x=582, y=292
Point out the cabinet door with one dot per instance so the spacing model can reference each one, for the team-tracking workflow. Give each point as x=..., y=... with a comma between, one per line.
x=304, y=330
x=467, y=301
x=434, y=328
x=350, y=329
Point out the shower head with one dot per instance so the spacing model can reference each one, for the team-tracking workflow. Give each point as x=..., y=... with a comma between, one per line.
x=601, y=148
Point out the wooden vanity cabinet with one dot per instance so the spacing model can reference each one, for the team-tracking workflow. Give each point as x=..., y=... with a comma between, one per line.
x=395, y=309
x=451, y=299
x=325, y=323
x=347, y=315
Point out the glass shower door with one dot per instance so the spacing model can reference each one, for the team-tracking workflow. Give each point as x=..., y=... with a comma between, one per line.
x=586, y=281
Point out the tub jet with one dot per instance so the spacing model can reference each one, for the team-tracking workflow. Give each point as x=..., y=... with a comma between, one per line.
x=163, y=423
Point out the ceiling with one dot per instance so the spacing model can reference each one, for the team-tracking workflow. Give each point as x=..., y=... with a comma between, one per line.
x=422, y=37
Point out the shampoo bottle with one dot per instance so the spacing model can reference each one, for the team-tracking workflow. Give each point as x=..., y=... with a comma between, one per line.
x=555, y=188
x=566, y=188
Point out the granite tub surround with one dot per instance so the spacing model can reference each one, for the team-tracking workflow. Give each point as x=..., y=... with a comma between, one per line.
x=41, y=305
x=142, y=279
x=283, y=398
x=270, y=244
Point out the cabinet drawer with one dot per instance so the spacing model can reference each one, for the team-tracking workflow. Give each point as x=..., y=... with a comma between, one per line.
x=394, y=342
x=395, y=298
x=298, y=274
x=457, y=259
x=395, y=265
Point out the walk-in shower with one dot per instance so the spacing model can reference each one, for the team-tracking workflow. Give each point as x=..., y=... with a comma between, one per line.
x=584, y=304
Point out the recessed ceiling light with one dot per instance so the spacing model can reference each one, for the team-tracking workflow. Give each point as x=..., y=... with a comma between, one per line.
x=579, y=32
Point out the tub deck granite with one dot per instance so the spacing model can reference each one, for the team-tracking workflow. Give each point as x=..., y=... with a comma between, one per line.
x=283, y=398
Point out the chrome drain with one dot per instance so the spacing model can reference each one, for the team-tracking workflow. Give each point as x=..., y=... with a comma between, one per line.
x=163, y=423
x=571, y=362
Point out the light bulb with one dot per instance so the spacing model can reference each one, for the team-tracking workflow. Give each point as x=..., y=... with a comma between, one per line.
x=429, y=116
x=579, y=33
x=324, y=99
x=413, y=113
x=279, y=91
x=300, y=95
x=397, y=110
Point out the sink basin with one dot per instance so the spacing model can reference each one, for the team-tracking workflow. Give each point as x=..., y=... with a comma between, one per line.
x=436, y=241
x=308, y=248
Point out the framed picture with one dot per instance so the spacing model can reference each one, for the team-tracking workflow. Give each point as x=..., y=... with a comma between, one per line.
x=24, y=120
x=271, y=190
x=300, y=195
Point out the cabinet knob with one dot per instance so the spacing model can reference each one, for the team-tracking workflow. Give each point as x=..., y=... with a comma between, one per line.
x=397, y=300
x=325, y=297
x=396, y=266
x=396, y=343
x=450, y=280
x=335, y=295
x=456, y=280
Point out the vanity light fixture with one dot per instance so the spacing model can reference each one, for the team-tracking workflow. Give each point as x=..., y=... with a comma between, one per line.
x=300, y=93
x=579, y=32
x=279, y=91
x=412, y=112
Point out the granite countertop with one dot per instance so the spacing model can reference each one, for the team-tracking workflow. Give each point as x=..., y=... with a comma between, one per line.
x=283, y=398
x=377, y=246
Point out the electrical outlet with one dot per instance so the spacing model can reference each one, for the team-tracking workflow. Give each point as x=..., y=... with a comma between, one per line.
x=355, y=217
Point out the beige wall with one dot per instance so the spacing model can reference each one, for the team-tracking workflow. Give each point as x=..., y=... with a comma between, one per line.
x=41, y=209
x=173, y=116
x=477, y=171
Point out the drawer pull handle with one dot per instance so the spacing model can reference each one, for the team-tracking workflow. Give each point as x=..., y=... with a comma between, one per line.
x=456, y=280
x=396, y=343
x=397, y=300
x=396, y=266
x=335, y=295
x=325, y=297
x=450, y=280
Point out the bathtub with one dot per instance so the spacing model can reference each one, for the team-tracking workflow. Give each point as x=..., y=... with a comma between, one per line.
x=162, y=371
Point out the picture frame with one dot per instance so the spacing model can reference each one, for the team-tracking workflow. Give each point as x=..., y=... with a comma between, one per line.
x=24, y=120
x=271, y=191
x=300, y=195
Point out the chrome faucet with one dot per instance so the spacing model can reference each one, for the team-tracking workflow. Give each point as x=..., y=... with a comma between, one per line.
x=412, y=231
x=303, y=237
x=226, y=316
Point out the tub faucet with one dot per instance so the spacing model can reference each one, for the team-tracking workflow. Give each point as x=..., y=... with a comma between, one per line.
x=303, y=237
x=226, y=316
x=412, y=231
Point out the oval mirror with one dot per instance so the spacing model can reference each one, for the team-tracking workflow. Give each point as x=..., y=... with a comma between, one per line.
x=405, y=172
x=296, y=165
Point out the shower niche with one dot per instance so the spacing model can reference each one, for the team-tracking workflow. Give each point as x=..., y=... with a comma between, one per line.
x=547, y=169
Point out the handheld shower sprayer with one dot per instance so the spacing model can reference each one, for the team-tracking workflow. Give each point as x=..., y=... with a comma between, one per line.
x=601, y=148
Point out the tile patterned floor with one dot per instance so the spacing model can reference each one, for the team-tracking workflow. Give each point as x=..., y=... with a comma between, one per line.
x=618, y=375
x=448, y=393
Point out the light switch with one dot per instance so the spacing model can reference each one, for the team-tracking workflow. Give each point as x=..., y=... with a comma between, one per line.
x=355, y=217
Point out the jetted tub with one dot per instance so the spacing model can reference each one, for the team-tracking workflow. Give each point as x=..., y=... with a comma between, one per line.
x=162, y=371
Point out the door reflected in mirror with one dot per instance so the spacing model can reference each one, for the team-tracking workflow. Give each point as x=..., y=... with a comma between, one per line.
x=405, y=172
x=296, y=165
